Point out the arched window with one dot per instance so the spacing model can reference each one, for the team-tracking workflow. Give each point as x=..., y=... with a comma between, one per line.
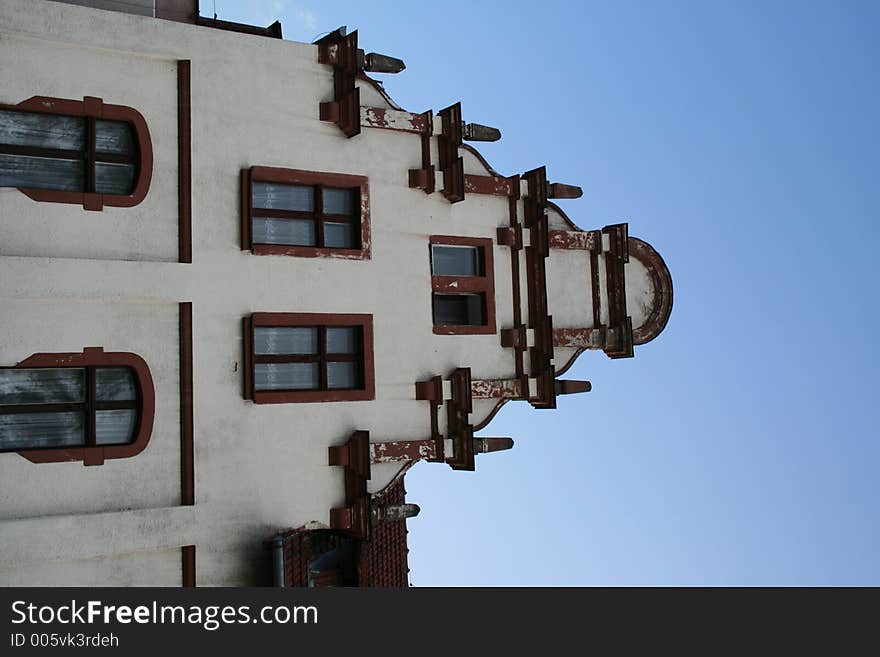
x=76, y=407
x=69, y=151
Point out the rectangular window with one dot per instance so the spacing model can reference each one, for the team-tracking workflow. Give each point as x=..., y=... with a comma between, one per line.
x=304, y=213
x=297, y=357
x=463, y=284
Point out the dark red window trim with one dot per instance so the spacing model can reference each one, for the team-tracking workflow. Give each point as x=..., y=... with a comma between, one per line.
x=95, y=108
x=365, y=322
x=97, y=357
x=297, y=177
x=484, y=284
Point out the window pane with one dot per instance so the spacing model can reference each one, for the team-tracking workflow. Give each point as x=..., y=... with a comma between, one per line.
x=294, y=232
x=458, y=310
x=114, y=178
x=23, y=430
x=286, y=376
x=41, y=173
x=42, y=386
x=273, y=196
x=342, y=375
x=114, y=384
x=345, y=340
x=338, y=201
x=114, y=427
x=456, y=261
x=42, y=130
x=113, y=137
x=288, y=340
x=338, y=236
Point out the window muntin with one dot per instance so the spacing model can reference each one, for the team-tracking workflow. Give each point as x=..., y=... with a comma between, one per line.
x=299, y=215
x=303, y=213
x=307, y=358
x=87, y=406
x=69, y=151
x=66, y=407
x=463, y=285
x=295, y=357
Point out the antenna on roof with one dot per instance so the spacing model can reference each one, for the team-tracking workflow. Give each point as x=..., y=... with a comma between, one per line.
x=215, y=9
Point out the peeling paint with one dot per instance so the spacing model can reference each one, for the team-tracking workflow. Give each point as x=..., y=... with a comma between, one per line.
x=579, y=338
x=403, y=450
x=572, y=239
x=493, y=185
x=390, y=119
x=496, y=389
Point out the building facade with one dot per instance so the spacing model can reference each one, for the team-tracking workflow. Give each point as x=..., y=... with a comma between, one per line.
x=244, y=291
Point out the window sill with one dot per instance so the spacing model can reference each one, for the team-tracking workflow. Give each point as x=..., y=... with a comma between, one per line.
x=310, y=252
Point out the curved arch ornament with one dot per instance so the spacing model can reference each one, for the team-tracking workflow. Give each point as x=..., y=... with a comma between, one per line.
x=661, y=281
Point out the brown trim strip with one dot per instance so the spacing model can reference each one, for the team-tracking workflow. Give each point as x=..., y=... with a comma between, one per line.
x=513, y=201
x=579, y=338
x=575, y=239
x=425, y=178
x=188, y=565
x=187, y=460
x=273, y=31
x=498, y=388
x=345, y=109
x=594, y=288
x=451, y=164
x=90, y=403
x=298, y=177
x=184, y=162
x=391, y=119
x=541, y=355
x=246, y=209
x=493, y=185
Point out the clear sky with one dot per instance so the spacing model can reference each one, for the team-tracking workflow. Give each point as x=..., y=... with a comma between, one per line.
x=741, y=140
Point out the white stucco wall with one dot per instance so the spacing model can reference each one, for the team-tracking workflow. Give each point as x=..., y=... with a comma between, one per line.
x=639, y=292
x=145, y=568
x=34, y=66
x=569, y=291
x=151, y=479
x=71, y=279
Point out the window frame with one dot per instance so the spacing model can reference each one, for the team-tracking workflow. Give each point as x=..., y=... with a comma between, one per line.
x=483, y=284
x=326, y=320
x=96, y=357
x=92, y=108
x=313, y=179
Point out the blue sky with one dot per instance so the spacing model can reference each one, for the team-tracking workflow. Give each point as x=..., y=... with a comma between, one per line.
x=742, y=141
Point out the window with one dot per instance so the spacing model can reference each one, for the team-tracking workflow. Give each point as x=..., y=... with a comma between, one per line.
x=293, y=357
x=303, y=213
x=463, y=284
x=68, y=151
x=70, y=407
